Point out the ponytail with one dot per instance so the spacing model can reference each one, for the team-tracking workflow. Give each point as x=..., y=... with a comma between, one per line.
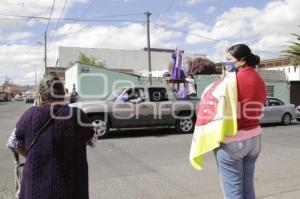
x=243, y=52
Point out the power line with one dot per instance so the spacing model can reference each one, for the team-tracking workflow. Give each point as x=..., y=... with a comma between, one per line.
x=208, y=38
x=103, y=6
x=87, y=9
x=61, y=14
x=60, y=17
x=123, y=15
x=190, y=33
x=121, y=20
x=169, y=7
x=82, y=14
x=68, y=19
x=50, y=16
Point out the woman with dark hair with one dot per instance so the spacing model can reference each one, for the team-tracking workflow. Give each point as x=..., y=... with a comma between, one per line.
x=56, y=163
x=237, y=155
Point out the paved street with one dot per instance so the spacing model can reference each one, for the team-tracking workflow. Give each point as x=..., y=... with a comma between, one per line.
x=154, y=164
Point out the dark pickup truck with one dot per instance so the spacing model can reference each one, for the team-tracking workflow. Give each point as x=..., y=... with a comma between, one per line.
x=141, y=107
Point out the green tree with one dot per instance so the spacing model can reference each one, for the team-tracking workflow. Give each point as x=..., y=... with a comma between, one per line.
x=293, y=51
x=90, y=60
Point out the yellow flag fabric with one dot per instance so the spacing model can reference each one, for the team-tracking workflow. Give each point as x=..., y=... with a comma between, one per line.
x=209, y=132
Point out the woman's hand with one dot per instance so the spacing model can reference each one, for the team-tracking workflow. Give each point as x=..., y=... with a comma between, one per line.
x=22, y=151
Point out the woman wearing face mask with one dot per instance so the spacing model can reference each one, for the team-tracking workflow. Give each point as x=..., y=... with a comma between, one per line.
x=237, y=155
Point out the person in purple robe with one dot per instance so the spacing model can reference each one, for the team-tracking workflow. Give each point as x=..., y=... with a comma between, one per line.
x=177, y=70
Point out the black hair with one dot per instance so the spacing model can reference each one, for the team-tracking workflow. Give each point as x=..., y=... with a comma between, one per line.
x=243, y=52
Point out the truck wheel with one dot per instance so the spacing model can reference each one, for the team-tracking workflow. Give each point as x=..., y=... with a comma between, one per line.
x=286, y=119
x=185, y=124
x=101, y=126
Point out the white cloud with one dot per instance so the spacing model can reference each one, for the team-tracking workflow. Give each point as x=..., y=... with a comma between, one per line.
x=274, y=42
x=31, y=8
x=32, y=74
x=271, y=26
x=131, y=36
x=193, y=2
x=210, y=9
x=19, y=60
x=177, y=20
x=17, y=36
x=233, y=24
x=219, y=53
x=281, y=17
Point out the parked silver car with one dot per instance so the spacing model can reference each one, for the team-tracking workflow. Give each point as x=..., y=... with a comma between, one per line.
x=298, y=113
x=277, y=111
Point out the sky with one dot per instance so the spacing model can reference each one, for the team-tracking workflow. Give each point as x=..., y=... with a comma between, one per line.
x=197, y=26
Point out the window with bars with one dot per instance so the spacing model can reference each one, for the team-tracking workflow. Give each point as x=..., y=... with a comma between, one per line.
x=270, y=91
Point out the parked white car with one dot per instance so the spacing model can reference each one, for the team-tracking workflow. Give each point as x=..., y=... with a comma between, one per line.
x=19, y=98
x=277, y=111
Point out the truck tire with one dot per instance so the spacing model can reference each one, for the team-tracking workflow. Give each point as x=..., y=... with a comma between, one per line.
x=101, y=126
x=286, y=119
x=185, y=124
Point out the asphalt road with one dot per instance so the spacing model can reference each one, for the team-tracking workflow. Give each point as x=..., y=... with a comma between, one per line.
x=154, y=164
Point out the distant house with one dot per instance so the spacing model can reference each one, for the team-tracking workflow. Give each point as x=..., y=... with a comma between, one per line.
x=8, y=92
x=277, y=84
x=291, y=72
x=93, y=82
x=282, y=64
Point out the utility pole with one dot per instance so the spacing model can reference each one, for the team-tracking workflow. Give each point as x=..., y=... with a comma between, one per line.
x=45, y=55
x=148, y=14
x=35, y=81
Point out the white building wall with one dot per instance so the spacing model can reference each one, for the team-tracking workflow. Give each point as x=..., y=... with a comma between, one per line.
x=124, y=59
x=71, y=78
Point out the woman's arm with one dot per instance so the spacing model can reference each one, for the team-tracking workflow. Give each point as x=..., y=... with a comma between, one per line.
x=16, y=140
x=15, y=144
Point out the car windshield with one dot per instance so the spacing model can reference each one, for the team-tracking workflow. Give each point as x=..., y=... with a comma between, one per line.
x=112, y=96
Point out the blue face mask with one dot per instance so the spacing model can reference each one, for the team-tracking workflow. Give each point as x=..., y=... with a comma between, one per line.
x=230, y=66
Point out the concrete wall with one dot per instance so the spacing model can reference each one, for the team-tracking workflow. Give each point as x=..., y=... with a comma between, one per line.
x=281, y=90
x=202, y=81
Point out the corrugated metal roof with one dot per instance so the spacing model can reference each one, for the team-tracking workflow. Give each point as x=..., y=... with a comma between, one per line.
x=273, y=75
